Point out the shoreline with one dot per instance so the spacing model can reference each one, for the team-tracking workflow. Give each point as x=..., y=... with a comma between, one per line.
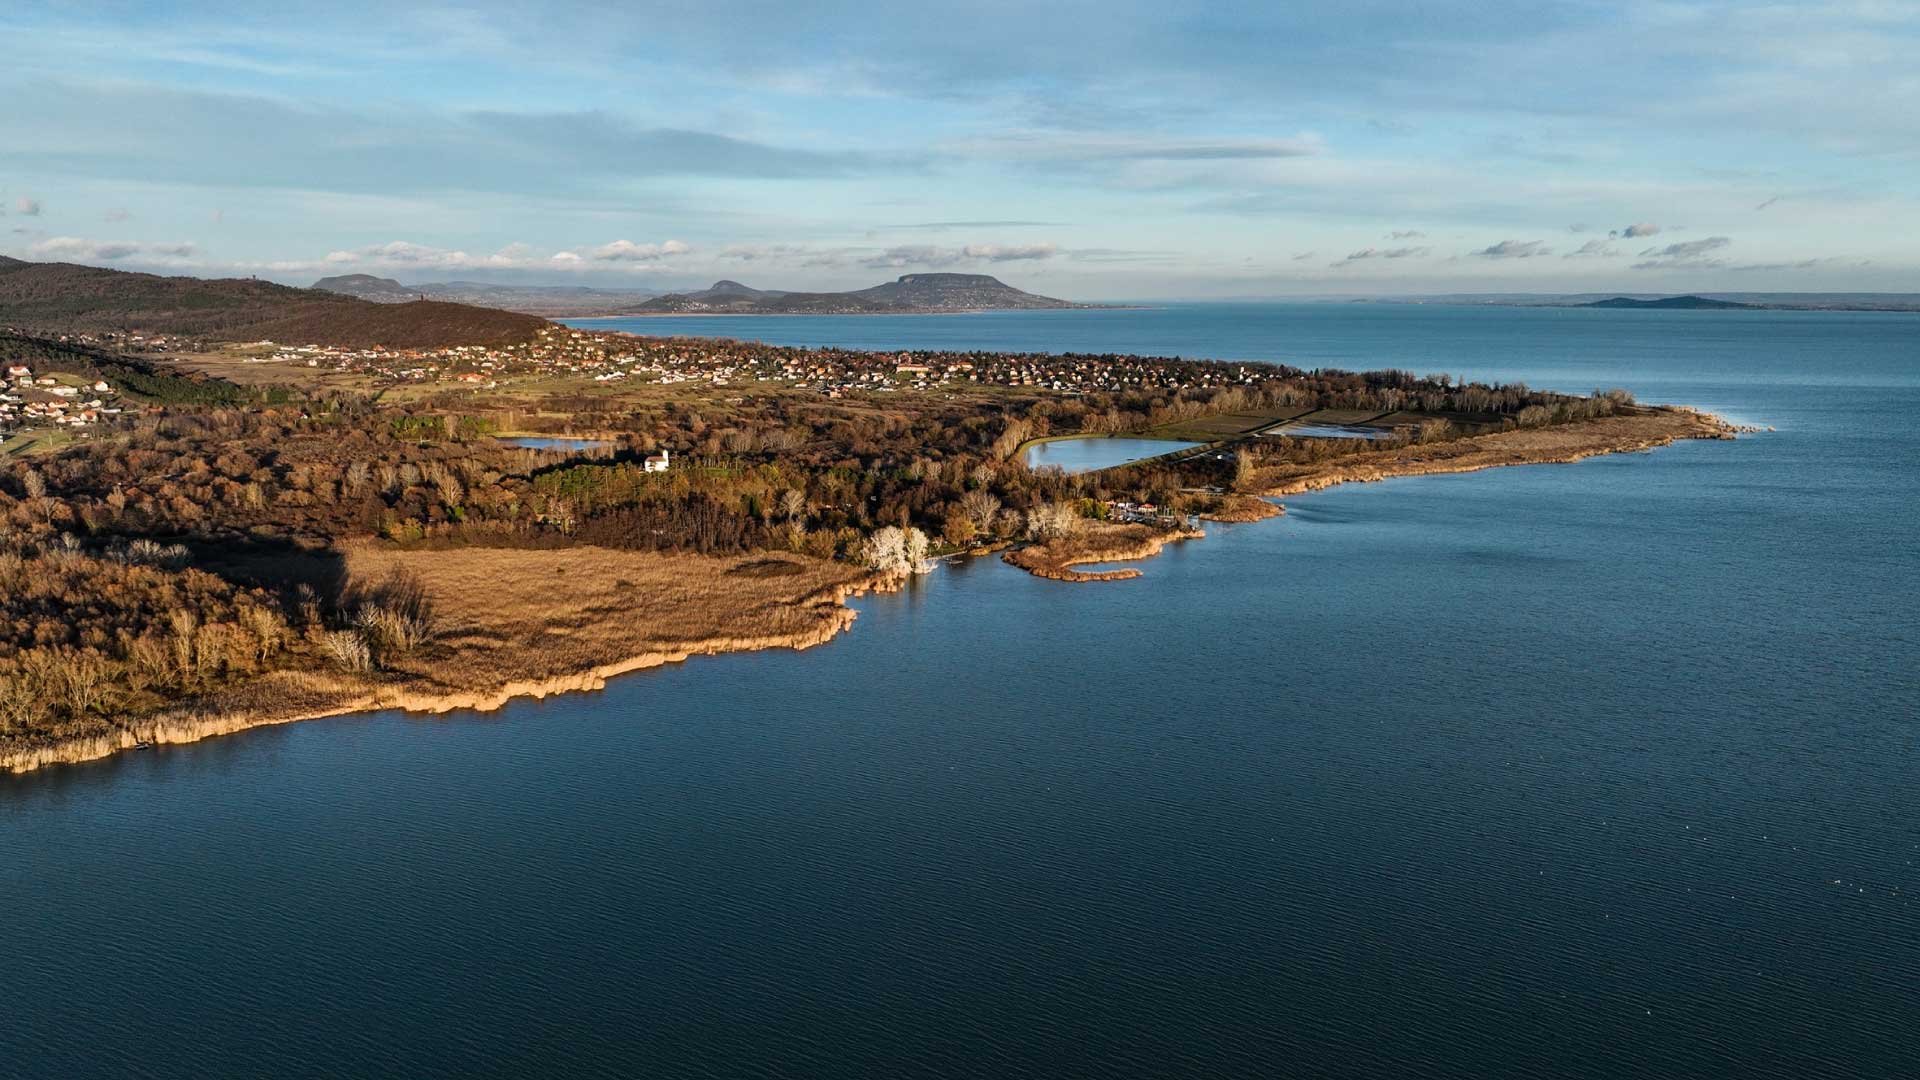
x=1124, y=543
x=224, y=714
x=831, y=314
x=1656, y=427
x=313, y=695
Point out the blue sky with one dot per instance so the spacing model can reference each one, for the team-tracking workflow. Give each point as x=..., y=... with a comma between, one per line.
x=1099, y=151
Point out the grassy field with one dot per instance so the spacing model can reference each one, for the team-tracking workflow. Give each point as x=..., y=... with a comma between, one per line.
x=36, y=441
x=1338, y=416
x=1224, y=425
x=508, y=615
x=1468, y=421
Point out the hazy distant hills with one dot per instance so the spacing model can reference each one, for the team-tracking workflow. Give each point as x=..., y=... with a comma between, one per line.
x=908, y=294
x=911, y=293
x=1712, y=301
x=1668, y=303
x=67, y=298
x=552, y=301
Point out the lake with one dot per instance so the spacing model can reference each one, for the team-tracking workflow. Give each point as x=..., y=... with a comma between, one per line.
x=1604, y=769
x=556, y=442
x=1084, y=455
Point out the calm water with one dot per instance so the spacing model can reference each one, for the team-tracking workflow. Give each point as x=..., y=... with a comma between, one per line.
x=555, y=442
x=1080, y=455
x=1605, y=769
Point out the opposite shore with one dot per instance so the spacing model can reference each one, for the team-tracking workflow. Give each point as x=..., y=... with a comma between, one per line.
x=532, y=623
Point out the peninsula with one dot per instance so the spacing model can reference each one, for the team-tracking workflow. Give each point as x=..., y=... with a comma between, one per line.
x=229, y=503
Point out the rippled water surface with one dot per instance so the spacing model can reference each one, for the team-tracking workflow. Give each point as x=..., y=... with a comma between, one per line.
x=1606, y=769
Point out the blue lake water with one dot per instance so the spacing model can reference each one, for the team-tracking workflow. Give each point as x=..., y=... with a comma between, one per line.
x=1080, y=455
x=555, y=442
x=1597, y=770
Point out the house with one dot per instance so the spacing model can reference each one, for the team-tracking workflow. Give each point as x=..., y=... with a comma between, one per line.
x=18, y=371
x=657, y=462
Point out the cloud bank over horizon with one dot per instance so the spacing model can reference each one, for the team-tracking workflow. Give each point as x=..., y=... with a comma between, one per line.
x=1107, y=150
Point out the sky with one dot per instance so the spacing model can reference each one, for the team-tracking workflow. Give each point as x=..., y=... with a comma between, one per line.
x=1129, y=149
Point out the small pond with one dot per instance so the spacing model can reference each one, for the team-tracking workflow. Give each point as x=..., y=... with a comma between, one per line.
x=1097, y=452
x=558, y=442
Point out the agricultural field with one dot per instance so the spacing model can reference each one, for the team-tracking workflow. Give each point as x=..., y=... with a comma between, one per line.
x=1325, y=417
x=1473, y=422
x=34, y=441
x=1225, y=425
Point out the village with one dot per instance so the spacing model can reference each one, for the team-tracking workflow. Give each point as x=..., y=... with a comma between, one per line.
x=59, y=400
x=604, y=357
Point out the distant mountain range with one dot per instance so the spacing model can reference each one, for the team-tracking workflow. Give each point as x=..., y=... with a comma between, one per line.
x=551, y=301
x=68, y=298
x=912, y=293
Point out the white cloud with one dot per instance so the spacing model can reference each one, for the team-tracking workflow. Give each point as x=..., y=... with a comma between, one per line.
x=628, y=251
x=1380, y=253
x=80, y=249
x=1514, y=249
x=27, y=206
x=1633, y=232
x=1591, y=249
x=930, y=255
x=1687, y=255
x=621, y=255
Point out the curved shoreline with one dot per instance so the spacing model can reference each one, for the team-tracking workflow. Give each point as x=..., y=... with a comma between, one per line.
x=1042, y=560
x=206, y=720
x=314, y=695
x=1561, y=445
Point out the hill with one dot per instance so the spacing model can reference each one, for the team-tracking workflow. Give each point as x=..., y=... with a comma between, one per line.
x=367, y=287
x=911, y=293
x=552, y=301
x=67, y=298
x=1670, y=303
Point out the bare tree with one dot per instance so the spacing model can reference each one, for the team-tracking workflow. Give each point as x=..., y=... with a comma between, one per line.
x=793, y=503
x=350, y=649
x=1050, y=521
x=980, y=507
